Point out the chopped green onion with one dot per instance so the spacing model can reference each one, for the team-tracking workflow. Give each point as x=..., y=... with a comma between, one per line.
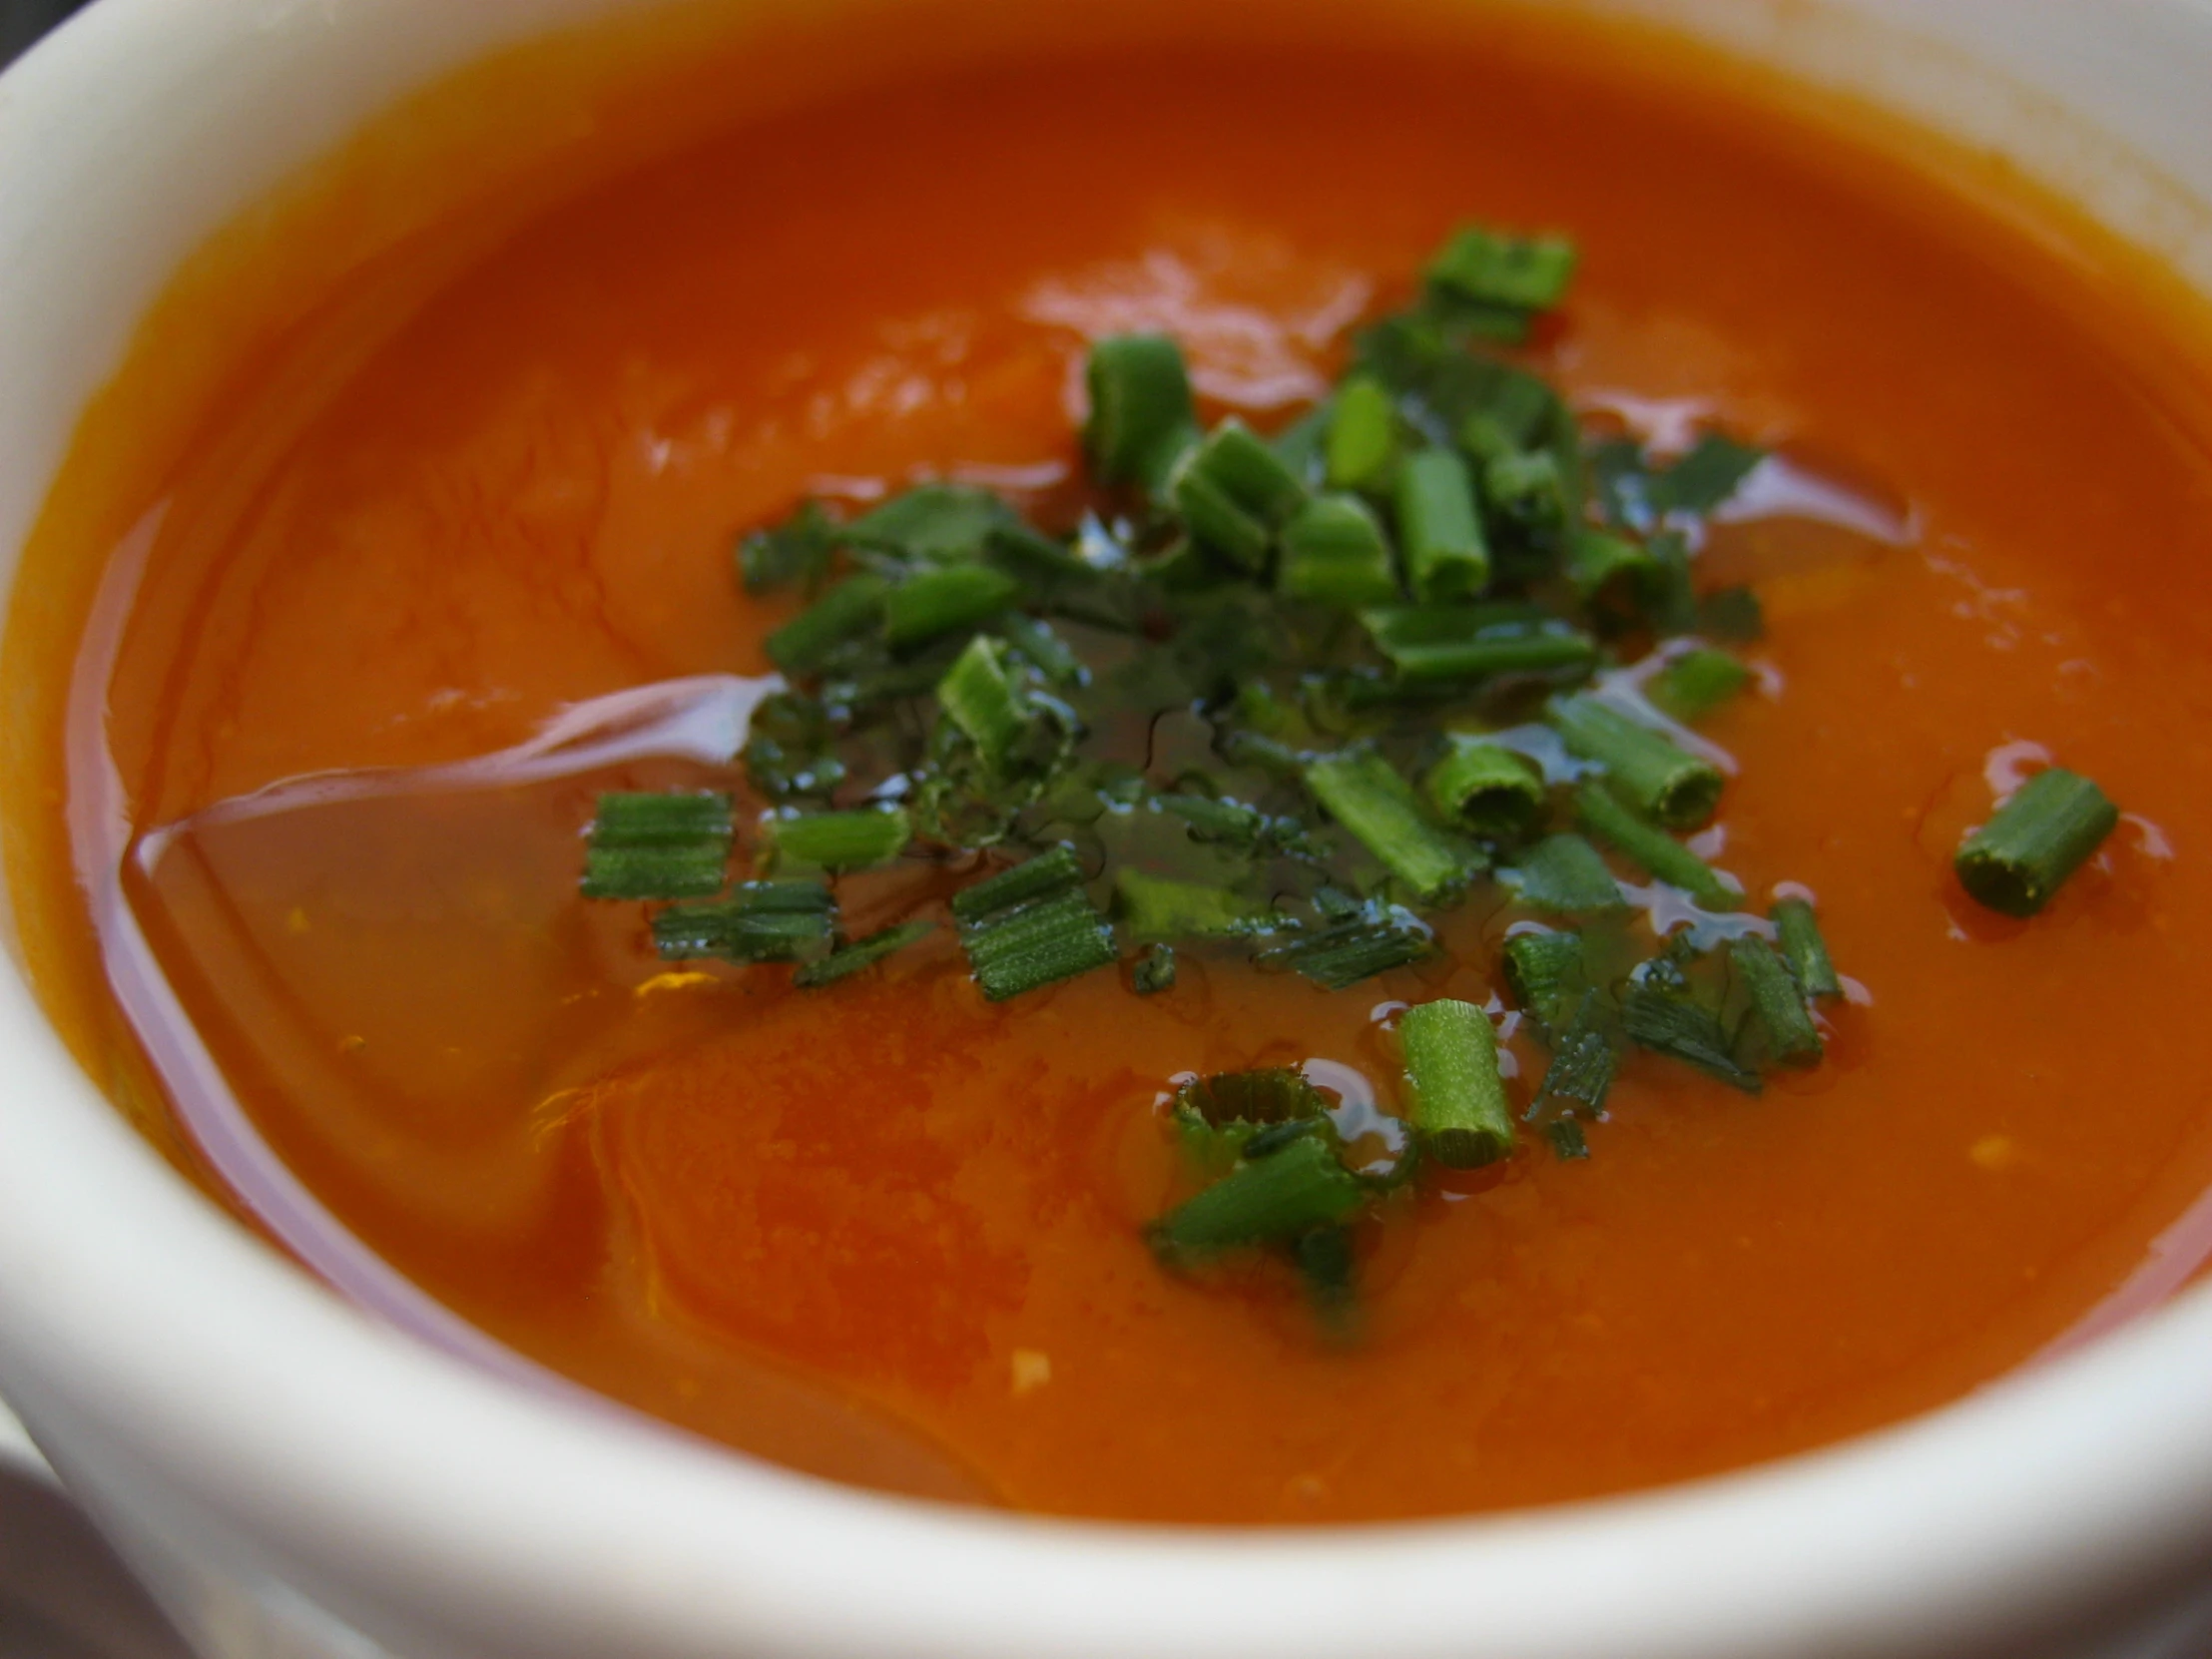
x=1483, y=787
x=761, y=921
x=1334, y=553
x=1487, y=267
x=944, y=598
x=1447, y=558
x=1031, y=925
x=1141, y=416
x=1568, y=1139
x=1364, y=793
x=1217, y=821
x=1673, y=1025
x=1329, y=1270
x=1732, y=615
x=1299, y=1188
x=796, y=550
x=789, y=748
x=1216, y=521
x=1524, y=488
x=857, y=840
x=1455, y=1093
x=1155, y=971
x=1644, y=768
x=847, y=611
x=863, y=954
x=1776, y=1002
x=1706, y=476
x=2047, y=831
x=658, y=846
x=934, y=521
x=1544, y=970
x=980, y=698
x=1270, y=1094
x=1046, y=650
x=1362, y=435
x=1804, y=948
x=1584, y=1056
x=1353, y=948
x=1696, y=683
x=1471, y=642
x=1234, y=492
x=1596, y=560
x=1564, y=875
x=1663, y=857
x=1153, y=909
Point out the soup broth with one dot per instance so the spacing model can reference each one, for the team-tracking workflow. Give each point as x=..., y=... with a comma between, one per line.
x=891, y=1233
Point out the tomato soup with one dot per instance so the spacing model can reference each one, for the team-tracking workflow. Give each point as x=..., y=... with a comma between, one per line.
x=893, y=1233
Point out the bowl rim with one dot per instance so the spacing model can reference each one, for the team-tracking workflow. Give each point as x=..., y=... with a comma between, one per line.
x=177, y=1353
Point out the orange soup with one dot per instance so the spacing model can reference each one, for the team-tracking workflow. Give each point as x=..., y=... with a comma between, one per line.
x=453, y=559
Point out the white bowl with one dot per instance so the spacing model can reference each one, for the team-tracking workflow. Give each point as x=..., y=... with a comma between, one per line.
x=294, y=1479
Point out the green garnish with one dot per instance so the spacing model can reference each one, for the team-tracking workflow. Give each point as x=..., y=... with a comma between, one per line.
x=658, y=846
x=1706, y=476
x=839, y=840
x=1370, y=798
x=1663, y=857
x=797, y=551
x=1353, y=948
x=760, y=921
x=1155, y=971
x=1156, y=908
x=1483, y=267
x=1031, y=927
x=1485, y=788
x=943, y=599
x=2047, y=831
x=863, y=954
x=1272, y=1094
x=1334, y=553
x=1643, y=767
x=1273, y=1199
x=1456, y=1095
x=1142, y=416
x=1361, y=443
x=1476, y=641
x=1803, y=947
x=1447, y=558
x=1233, y=494
x=806, y=642
x=1777, y=1003
x=1544, y=970
x=1564, y=876
x=1670, y=1023
x=1696, y=683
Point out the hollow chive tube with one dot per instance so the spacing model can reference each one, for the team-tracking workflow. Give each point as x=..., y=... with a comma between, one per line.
x=1455, y=1093
x=1473, y=642
x=1545, y=973
x=1438, y=528
x=857, y=840
x=2047, y=831
x=658, y=846
x=1483, y=787
x=1663, y=857
x=1334, y=553
x=1791, y=1037
x=1596, y=560
x=1650, y=774
x=934, y=602
x=1364, y=793
x=1524, y=488
x=1362, y=435
x=1141, y=416
x=1298, y=1187
x=1804, y=949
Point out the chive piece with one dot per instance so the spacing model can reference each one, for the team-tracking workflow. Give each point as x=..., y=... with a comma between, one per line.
x=1542, y=970
x=1269, y=1094
x=1155, y=971
x=2047, y=831
x=1047, y=652
x=1234, y=492
x=939, y=600
x=1362, y=435
x=1487, y=267
x=1216, y=521
x=1470, y=641
x=933, y=521
x=863, y=954
x=789, y=748
x=761, y=921
x=1141, y=416
x=1301, y=1187
x=1153, y=909
x=1031, y=925
x=1647, y=771
x=1334, y=553
x=796, y=550
x=857, y=840
x=1524, y=488
x=1299, y=445
x=658, y=846
x=1776, y=1002
x=1705, y=475
x=1483, y=787
x=1447, y=558
x=1048, y=875
x=1329, y=1270
x=1217, y=821
x=1584, y=1056
x=1596, y=560
x=980, y=698
x=1364, y=793
x=1567, y=1140
x=1663, y=857
x=1804, y=948
x=1695, y=684
x=847, y=611
x=1456, y=1097
x=1352, y=949
x=1565, y=875
x=1682, y=1030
